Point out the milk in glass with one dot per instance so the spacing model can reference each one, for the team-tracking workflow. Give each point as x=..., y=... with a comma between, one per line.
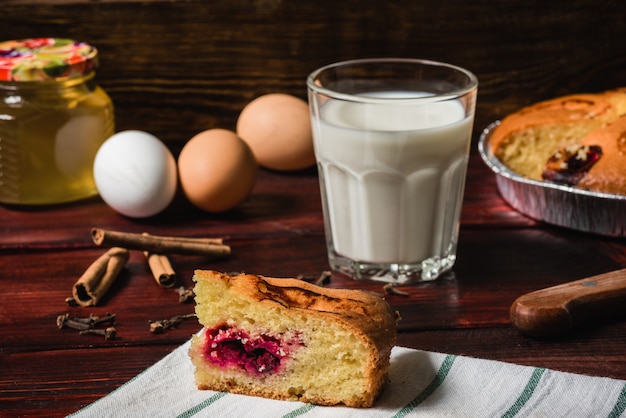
x=392, y=177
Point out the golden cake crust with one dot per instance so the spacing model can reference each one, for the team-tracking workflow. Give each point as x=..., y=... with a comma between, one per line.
x=363, y=314
x=525, y=140
x=608, y=174
x=366, y=312
x=592, y=110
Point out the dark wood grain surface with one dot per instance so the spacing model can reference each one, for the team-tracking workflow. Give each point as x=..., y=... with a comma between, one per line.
x=176, y=68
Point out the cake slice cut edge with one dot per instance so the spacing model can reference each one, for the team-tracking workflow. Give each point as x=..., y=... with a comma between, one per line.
x=287, y=339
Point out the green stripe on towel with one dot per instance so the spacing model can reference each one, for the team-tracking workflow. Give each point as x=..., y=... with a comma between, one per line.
x=297, y=412
x=620, y=405
x=193, y=411
x=445, y=367
x=526, y=393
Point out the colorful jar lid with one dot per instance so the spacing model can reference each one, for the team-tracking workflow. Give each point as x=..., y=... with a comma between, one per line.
x=40, y=59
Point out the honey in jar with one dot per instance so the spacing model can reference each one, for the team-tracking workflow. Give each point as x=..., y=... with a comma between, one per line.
x=53, y=119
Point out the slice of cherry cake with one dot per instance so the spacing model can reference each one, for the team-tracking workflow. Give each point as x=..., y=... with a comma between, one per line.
x=291, y=340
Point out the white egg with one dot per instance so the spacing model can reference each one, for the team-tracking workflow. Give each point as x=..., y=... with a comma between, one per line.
x=135, y=174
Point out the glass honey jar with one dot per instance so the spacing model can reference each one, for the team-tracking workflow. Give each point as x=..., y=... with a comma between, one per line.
x=53, y=119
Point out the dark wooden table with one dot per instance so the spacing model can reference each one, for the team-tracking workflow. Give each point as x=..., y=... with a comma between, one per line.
x=278, y=231
x=175, y=68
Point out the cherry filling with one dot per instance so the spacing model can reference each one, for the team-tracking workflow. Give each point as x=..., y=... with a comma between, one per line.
x=231, y=347
x=570, y=164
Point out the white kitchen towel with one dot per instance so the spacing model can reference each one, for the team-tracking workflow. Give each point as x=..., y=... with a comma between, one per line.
x=422, y=384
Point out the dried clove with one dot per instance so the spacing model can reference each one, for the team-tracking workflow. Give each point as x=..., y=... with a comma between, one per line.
x=159, y=327
x=185, y=295
x=306, y=278
x=390, y=289
x=89, y=324
x=108, y=319
x=324, y=278
x=64, y=321
x=108, y=333
x=89, y=320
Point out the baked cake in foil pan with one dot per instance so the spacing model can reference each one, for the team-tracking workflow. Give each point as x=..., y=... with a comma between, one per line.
x=557, y=204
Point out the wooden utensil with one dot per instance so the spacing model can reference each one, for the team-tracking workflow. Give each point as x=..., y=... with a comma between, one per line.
x=558, y=309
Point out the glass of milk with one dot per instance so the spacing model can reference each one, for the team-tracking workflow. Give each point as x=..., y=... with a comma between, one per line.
x=392, y=139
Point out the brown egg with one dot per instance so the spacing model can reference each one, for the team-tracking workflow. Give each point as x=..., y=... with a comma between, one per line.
x=277, y=127
x=217, y=170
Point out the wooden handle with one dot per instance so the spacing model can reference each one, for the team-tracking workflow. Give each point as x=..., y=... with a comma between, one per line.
x=558, y=309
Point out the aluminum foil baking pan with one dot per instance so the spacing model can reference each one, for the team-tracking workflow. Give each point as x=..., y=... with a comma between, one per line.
x=569, y=207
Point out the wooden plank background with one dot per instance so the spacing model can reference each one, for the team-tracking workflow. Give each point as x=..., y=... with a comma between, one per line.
x=174, y=68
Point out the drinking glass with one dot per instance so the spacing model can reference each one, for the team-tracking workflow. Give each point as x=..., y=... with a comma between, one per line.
x=392, y=139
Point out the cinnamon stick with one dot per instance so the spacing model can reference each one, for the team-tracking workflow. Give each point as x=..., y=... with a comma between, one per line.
x=213, y=247
x=161, y=268
x=99, y=276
